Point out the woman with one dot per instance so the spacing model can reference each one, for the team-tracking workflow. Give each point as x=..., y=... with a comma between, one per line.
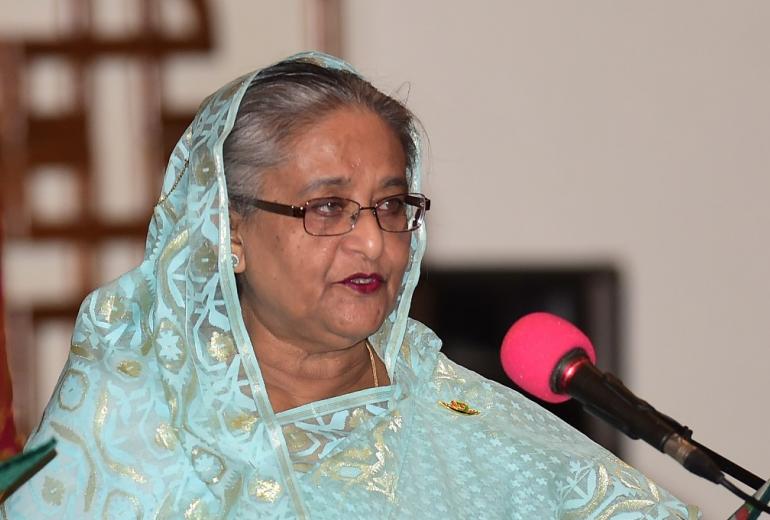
x=260, y=361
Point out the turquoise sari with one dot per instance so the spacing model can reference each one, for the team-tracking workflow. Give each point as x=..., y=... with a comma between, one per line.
x=161, y=410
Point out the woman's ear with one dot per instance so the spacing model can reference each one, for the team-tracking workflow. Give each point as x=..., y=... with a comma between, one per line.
x=236, y=242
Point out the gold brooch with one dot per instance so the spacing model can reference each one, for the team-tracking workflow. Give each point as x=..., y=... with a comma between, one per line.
x=459, y=407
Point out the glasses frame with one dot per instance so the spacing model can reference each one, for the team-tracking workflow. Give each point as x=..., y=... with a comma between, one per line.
x=417, y=199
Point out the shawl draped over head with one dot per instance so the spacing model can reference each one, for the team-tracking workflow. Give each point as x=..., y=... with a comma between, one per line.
x=161, y=409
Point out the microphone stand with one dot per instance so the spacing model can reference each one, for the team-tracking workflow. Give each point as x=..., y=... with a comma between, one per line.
x=724, y=464
x=731, y=468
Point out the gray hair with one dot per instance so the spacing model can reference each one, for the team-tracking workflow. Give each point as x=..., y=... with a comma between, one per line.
x=286, y=98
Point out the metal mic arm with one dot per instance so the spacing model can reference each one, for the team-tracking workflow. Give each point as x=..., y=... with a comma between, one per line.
x=726, y=465
x=603, y=395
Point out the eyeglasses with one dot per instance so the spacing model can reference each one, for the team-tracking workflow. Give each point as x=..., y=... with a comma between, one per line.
x=332, y=216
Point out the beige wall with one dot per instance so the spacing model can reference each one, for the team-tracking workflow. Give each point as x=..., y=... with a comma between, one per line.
x=568, y=132
x=634, y=132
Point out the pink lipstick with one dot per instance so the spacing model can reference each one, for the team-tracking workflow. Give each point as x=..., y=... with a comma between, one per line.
x=364, y=283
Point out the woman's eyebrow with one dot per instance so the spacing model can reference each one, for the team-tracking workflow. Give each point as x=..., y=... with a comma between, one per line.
x=399, y=182
x=324, y=182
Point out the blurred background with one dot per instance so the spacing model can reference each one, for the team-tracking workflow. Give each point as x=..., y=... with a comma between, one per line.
x=607, y=161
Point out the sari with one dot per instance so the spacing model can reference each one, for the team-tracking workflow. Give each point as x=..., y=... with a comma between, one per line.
x=161, y=410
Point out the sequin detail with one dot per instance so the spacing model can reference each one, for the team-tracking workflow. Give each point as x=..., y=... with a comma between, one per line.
x=264, y=490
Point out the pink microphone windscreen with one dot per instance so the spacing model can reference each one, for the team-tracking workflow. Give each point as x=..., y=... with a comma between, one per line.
x=533, y=347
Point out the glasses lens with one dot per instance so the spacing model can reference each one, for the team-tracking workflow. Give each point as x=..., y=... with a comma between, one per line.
x=401, y=212
x=330, y=216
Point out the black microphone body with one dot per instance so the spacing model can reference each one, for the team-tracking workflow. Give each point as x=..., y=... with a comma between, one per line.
x=605, y=396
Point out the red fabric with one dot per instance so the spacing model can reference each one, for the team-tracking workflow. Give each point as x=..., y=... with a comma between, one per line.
x=9, y=444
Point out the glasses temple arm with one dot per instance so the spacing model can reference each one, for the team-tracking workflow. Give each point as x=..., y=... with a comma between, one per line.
x=273, y=207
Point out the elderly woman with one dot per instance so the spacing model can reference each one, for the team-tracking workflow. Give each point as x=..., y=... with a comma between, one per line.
x=260, y=362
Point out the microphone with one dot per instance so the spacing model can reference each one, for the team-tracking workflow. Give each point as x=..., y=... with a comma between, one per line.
x=552, y=359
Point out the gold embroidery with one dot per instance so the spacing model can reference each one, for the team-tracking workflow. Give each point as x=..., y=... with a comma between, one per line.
x=302, y=467
x=130, y=367
x=147, y=345
x=296, y=438
x=207, y=465
x=165, y=437
x=313, y=443
x=357, y=416
x=69, y=435
x=172, y=402
x=624, y=506
x=116, y=497
x=167, y=280
x=190, y=389
x=175, y=245
x=204, y=260
x=204, y=167
x=369, y=466
x=232, y=493
x=73, y=390
x=406, y=352
x=53, y=491
x=244, y=421
x=111, y=308
x=196, y=510
x=101, y=415
x=82, y=351
x=221, y=346
x=171, y=508
x=264, y=490
x=627, y=476
x=654, y=491
x=602, y=484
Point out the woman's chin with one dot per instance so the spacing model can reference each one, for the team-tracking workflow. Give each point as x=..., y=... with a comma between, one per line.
x=358, y=326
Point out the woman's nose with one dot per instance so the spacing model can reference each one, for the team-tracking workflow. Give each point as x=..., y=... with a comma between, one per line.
x=366, y=236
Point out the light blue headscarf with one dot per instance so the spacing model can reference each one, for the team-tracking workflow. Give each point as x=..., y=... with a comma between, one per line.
x=161, y=410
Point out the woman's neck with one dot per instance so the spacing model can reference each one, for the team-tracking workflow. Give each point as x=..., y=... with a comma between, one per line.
x=304, y=378
x=294, y=375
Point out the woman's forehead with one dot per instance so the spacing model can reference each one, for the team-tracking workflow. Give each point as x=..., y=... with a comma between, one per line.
x=344, y=150
x=322, y=182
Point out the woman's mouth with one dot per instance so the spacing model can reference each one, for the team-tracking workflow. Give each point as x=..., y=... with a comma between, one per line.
x=364, y=283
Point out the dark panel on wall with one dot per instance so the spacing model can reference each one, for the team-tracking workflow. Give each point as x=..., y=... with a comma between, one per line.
x=472, y=309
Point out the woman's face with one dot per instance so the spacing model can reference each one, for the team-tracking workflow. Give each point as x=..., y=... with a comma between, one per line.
x=325, y=292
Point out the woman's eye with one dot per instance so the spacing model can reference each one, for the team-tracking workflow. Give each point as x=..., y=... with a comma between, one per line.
x=327, y=207
x=394, y=205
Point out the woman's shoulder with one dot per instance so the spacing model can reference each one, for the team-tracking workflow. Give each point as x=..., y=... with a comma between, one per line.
x=489, y=433
x=114, y=318
x=104, y=410
x=501, y=409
